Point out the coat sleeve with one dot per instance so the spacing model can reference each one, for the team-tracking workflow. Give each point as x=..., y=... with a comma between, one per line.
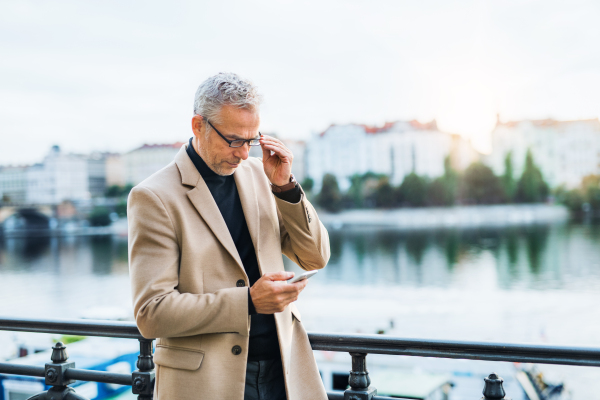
x=160, y=309
x=304, y=239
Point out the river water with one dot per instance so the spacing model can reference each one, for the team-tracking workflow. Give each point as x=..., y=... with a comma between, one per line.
x=534, y=284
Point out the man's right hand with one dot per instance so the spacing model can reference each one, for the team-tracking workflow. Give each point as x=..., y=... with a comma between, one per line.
x=271, y=294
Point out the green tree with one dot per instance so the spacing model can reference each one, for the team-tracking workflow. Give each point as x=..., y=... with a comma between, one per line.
x=354, y=196
x=100, y=216
x=449, y=173
x=308, y=184
x=385, y=195
x=126, y=189
x=480, y=186
x=413, y=190
x=531, y=187
x=508, y=180
x=573, y=199
x=118, y=191
x=121, y=208
x=113, y=191
x=363, y=188
x=590, y=188
x=330, y=197
x=442, y=191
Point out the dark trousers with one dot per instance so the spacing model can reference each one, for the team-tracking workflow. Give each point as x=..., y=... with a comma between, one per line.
x=264, y=380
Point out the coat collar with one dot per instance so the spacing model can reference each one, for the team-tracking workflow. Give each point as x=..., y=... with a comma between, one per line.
x=206, y=206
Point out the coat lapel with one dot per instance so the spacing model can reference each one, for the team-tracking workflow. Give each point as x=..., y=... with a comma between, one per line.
x=204, y=203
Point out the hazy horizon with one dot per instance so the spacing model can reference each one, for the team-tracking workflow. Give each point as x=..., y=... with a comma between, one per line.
x=112, y=76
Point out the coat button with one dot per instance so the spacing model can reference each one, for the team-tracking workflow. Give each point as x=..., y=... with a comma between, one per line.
x=236, y=350
x=240, y=283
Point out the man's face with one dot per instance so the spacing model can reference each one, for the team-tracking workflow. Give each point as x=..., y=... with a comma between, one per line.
x=233, y=123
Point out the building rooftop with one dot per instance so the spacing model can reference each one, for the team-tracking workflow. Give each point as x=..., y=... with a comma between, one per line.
x=547, y=122
x=146, y=146
x=389, y=126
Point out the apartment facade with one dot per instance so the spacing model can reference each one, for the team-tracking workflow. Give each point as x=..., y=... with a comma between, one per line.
x=395, y=149
x=13, y=184
x=59, y=177
x=142, y=162
x=565, y=151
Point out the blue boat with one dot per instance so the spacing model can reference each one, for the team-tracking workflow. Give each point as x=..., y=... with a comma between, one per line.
x=100, y=354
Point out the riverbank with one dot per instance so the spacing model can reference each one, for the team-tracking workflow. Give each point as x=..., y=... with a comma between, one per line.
x=117, y=228
x=448, y=217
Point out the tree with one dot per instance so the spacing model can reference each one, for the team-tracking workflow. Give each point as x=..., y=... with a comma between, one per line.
x=113, y=191
x=413, y=190
x=573, y=199
x=100, y=216
x=308, y=184
x=531, y=187
x=590, y=187
x=354, y=195
x=330, y=197
x=384, y=194
x=442, y=191
x=118, y=191
x=508, y=181
x=363, y=188
x=121, y=208
x=480, y=186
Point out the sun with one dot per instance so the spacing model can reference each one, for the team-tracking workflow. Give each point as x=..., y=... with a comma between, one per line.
x=467, y=106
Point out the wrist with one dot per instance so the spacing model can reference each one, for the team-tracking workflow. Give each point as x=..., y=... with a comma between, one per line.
x=284, y=186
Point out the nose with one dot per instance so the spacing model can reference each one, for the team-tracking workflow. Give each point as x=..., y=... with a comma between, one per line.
x=242, y=152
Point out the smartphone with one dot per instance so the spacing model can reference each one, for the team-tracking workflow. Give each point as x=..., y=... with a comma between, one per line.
x=300, y=277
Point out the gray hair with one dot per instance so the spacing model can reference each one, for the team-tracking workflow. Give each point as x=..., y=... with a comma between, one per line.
x=225, y=88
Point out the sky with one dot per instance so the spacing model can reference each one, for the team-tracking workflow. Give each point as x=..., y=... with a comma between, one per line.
x=113, y=75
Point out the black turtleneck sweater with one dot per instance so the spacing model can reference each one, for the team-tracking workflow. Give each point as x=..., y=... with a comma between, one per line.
x=264, y=344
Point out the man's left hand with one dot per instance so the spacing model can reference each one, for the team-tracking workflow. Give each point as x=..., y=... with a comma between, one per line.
x=277, y=160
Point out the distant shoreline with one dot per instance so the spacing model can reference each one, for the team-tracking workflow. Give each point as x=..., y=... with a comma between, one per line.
x=503, y=215
x=461, y=217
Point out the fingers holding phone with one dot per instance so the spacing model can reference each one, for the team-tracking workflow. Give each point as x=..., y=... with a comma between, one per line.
x=271, y=293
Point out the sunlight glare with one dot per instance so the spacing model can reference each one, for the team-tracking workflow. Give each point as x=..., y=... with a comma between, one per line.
x=468, y=109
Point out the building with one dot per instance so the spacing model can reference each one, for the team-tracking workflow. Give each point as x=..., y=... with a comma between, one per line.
x=396, y=149
x=115, y=169
x=565, y=151
x=13, y=184
x=59, y=177
x=97, y=174
x=298, y=149
x=148, y=159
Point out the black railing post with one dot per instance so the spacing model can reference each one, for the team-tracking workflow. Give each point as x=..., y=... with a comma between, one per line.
x=493, y=389
x=143, y=378
x=359, y=380
x=55, y=376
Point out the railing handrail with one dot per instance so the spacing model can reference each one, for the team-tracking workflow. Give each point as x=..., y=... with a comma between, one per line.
x=371, y=344
x=83, y=327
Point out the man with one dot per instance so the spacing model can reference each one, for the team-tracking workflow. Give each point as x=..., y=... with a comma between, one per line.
x=206, y=234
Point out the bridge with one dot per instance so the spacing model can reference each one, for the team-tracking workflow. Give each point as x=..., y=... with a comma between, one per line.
x=27, y=217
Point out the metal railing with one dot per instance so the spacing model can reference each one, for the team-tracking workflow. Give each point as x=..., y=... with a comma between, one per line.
x=60, y=373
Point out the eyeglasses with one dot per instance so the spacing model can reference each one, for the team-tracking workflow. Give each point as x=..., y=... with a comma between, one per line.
x=238, y=142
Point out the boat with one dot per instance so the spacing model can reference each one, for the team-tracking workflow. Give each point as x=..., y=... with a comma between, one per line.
x=94, y=353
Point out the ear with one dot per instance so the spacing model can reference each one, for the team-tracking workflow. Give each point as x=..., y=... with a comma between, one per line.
x=198, y=127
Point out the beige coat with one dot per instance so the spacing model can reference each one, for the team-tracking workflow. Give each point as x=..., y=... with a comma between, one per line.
x=184, y=268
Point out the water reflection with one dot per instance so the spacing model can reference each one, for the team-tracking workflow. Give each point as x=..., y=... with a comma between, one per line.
x=537, y=257
x=533, y=257
x=100, y=255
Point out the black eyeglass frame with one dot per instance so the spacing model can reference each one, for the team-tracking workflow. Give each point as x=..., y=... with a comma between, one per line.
x=251, y=142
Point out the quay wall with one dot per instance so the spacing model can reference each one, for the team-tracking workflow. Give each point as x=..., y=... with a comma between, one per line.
x=462, y=217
